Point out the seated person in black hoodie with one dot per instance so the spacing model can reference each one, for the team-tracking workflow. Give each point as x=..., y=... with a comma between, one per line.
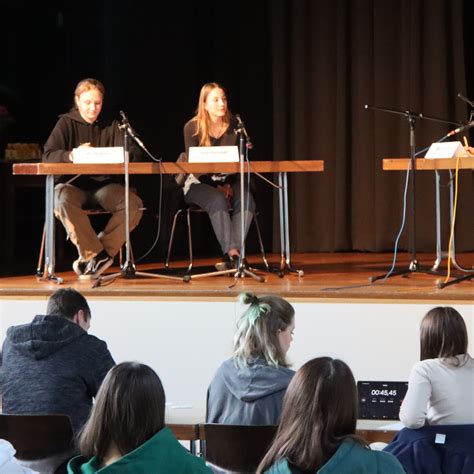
x=248, y=389
x=81, y=128
x=51, y=365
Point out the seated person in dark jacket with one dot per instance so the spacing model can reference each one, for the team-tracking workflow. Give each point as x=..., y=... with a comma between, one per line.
x=51, y=365
x=248, y=389
x=82, y=128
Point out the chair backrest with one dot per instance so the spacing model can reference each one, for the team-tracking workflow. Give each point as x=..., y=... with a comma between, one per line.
x=237, y=448
x=37, y=436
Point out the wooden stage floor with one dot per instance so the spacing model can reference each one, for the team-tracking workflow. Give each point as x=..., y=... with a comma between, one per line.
x=327, y=277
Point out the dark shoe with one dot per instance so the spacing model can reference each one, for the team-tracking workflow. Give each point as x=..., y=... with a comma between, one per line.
x=228, y=263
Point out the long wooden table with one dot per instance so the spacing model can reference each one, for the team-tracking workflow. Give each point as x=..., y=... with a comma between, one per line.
x=50, y=170
x=436, y=165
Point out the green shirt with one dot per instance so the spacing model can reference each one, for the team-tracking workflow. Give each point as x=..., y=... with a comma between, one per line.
x=160, y=454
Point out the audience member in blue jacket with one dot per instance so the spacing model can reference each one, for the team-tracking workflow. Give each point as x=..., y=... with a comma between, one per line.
x=126, y=431
x=440, y=449
x=318, y=424
x=248, y=389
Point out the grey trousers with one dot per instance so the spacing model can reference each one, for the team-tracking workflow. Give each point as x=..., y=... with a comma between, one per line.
x=68, y=208
x=226, y=228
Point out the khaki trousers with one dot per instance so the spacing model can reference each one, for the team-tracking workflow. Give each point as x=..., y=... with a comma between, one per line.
x=69, y=202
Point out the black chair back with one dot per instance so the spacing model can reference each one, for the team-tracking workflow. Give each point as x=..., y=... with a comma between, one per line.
x=37, y=436
x=237, y=448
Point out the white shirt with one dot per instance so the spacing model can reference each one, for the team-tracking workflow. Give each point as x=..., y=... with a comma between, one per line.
x=440, y=393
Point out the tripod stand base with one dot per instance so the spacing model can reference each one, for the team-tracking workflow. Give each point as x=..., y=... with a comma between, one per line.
x=242, y=271
x=413, y=267
x=455, y=280
x=128, y=271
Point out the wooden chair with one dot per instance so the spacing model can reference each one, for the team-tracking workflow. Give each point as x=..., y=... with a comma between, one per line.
x=236, y=448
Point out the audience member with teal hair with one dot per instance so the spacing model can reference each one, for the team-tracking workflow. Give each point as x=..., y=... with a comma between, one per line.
x=248, y=389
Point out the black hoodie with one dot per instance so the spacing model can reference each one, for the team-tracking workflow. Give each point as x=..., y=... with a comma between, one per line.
x=72, y=130
x=52, y=366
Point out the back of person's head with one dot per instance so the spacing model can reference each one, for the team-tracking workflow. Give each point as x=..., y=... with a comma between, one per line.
x=319, y=412
x=258, y=329
x=86, y=85
x=67, y=302
x=129, y=410
x=443, y=334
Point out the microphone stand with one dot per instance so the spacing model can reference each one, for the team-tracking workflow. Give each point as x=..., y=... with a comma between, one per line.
x=128, y=269
x=242, y=268
x=413, y=266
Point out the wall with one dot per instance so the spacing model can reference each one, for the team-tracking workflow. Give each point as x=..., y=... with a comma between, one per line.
x=186, y=341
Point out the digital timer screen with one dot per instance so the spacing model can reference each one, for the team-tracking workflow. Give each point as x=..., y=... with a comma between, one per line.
x=380, y=400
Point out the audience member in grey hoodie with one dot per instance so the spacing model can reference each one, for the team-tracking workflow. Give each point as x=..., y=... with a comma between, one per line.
x=51, y=365
x=249, y=388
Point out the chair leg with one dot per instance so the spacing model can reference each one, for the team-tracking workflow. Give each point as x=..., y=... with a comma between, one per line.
x=260, y=241
x=39, y=269
x=170, y=244
x=190, y=240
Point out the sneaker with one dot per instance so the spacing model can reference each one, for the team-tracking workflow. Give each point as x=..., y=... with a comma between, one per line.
x=80, y=266
x=102, y=265
x=97, y=266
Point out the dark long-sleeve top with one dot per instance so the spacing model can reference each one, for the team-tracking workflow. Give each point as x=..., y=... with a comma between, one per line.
x=229, y=138
x=71, y=131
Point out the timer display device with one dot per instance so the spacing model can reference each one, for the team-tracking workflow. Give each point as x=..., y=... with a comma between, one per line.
x=380, y=400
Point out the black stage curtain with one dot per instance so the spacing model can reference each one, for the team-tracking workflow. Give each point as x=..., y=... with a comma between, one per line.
x=331, y=58
x=298, y=71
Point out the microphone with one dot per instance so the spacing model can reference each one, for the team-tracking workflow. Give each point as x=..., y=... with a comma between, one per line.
x=124, y=118
x=465, y=99
x=128, y=127
x=241, y=128
x=461, y=129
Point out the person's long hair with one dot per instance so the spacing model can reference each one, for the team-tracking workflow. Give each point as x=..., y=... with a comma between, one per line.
x=258, y=328
x=129, y=410
x=319, y=413
x=87, y=85
x=202, y=119
x=443, y=334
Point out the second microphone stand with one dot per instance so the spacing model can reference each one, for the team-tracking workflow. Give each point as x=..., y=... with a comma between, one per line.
x=128, y=269
x=242, y=269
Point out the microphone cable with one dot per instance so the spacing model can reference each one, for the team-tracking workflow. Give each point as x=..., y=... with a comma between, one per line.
x=395, y=249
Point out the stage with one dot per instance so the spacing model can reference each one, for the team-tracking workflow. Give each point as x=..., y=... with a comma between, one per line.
x=327, y=277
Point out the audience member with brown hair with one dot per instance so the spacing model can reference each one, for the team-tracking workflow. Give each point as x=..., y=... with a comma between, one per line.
x=440, y=387
x=248, y=389
x=318, y=424
x=126, y=431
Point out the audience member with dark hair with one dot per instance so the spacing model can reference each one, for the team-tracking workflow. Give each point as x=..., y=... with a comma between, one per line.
x=126, y=431
x=441, y=385
x=51, y=365
x=248, y=389
x=318, y=423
